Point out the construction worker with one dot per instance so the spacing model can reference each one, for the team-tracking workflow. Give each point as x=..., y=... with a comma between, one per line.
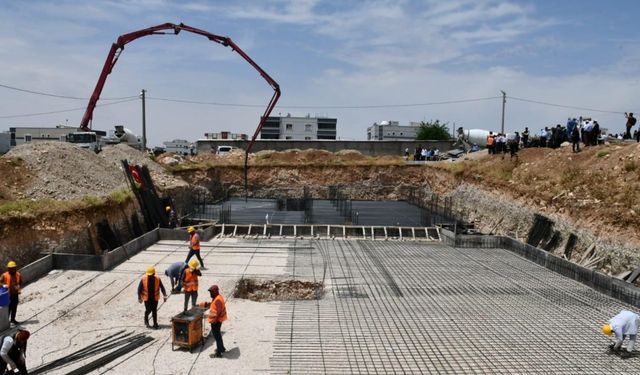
x=13, y=350
x=217, y=315
x=624, y=324
x=149, y=292
x=173, y=220
x=174, y=272
x=12, y=279
x=194, y=246
x=190, y=283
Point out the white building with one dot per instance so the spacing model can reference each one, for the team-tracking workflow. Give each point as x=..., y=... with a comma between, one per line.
x=180, y=147
x=299, y=128
x=392, y=131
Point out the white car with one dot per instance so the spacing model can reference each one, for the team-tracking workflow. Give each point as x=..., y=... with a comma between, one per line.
x=222, y=150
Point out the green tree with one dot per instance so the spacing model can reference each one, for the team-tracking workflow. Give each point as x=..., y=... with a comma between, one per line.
x=433, y=130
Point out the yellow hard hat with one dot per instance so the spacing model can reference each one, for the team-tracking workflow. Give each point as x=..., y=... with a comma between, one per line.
x=11, y=264
x=151, y=270
x=194, y=264
x=191, y=229
x=606, y=329
x=168, y=208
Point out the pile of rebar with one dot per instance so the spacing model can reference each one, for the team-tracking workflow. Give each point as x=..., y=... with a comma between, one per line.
x=116, y=345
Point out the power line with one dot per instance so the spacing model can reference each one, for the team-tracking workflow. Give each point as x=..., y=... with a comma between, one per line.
x=67, y=110
x=563, y=106
x=60, y=96
x=326, y=106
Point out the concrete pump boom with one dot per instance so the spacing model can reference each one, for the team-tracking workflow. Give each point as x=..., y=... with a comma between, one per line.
x=118, y=47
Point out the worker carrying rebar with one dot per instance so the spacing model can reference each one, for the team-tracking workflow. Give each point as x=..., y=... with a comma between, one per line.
x=12, y=279
x=194, y=246
x=13, y=351
x=624, y=324
x=174, y=272
x=190, y=283
x=217, y=315
x=149, y=291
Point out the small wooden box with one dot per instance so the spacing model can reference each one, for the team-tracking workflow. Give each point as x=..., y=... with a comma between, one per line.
x=187, y=329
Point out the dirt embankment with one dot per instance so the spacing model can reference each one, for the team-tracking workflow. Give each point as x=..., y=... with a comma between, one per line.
x=592, y=195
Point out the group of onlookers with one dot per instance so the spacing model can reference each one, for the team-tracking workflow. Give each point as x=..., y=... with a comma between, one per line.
x=422, y=154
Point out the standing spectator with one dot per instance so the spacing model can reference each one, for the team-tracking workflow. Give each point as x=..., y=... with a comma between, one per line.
x=491, y=142
x=575, y=139
x=595, y=133
x=514, y=141
x=631, y=122
x=543, y=137
x=525, y=137
x=406, y=153
x=637, y=136
x=418, y=153
x=12, y=279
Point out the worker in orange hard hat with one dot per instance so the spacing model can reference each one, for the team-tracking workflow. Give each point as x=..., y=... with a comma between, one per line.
x=149, y=291
x=624, y=324
x=217, y=315
x=13, y=350
x=190, y=283
x=12, y=279
x=194, y=246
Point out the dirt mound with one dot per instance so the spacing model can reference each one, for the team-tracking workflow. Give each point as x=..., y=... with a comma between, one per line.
x=286, y=290
x=62, y=171
x=114, y=155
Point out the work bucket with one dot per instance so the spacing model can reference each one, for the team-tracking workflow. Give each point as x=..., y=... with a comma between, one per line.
x=4, y=297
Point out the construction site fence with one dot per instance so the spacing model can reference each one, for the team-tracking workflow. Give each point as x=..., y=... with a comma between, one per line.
x=44, y=265
x=609, y=285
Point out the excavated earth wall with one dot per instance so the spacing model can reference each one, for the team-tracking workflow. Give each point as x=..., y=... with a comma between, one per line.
x=491, y=211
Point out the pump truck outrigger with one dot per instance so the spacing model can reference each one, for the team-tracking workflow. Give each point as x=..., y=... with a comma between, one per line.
x=118, y=47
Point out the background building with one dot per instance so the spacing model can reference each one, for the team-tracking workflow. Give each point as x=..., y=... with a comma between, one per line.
x=225, y=135
x=180, y=147
x=20, y=135
x=5, y=142
x=392, y=131
x=299, y=128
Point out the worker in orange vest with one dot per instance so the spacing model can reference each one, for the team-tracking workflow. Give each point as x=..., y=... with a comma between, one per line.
x=194, y=246
x=149, y=291
x=217, y=315
x=12, y=279
x=190, y=283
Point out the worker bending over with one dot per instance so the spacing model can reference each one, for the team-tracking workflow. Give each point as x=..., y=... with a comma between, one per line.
x=174, y=272
x=12, y=279
x=149, y=292
x=217, y=315
x=624, y=324
x=190, y=282
x=12, y=352
x=194, y=246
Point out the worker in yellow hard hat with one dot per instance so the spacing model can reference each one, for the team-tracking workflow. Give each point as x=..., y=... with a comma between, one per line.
x=622, y=325
x=12, y=279
x=149, y=291
x=190, y=283
x=194, y=246
x=172, y=217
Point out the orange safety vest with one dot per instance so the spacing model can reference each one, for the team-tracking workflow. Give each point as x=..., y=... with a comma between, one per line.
x=195, y=242
x=13, y=286
x=190, y=281
x=490, y=140
x=145, y=288
x=213, y=311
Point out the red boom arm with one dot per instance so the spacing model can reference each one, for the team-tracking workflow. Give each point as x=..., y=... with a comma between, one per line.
x=118, y=46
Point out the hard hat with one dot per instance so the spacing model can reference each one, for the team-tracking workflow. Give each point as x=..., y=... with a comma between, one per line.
x=11, y=264
x=191, y=229
x=194, y=263
x=168, y=208
x=22, y=335
x=606, y=329
x=214, y=289
x=151, y=270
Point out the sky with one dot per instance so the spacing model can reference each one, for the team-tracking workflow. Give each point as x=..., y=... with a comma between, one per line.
x=358, y=61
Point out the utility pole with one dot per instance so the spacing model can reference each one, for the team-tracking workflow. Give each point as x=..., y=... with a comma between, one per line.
x=144, y=121
x=504, y=101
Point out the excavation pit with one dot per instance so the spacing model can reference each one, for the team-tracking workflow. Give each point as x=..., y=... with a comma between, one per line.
x=282, y=290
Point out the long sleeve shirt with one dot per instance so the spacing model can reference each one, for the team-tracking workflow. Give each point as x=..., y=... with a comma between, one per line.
x=7, y=344
x=151, y=289
x=625, y=323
